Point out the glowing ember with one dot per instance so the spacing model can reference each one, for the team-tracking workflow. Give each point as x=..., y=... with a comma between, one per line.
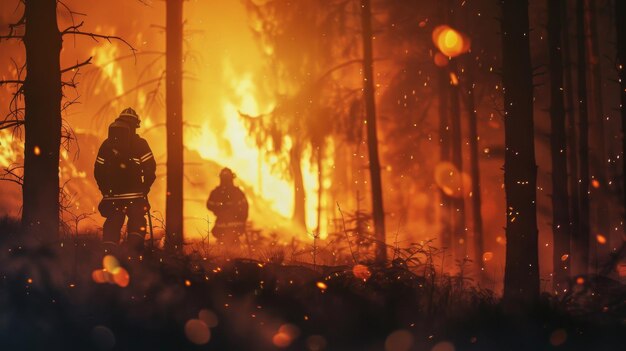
x=37, y=151
x=454, y=80
x=322, y=286
x=601, y=239
x=564, y=257
x=595, y=183
x=580, y=280
x=487, y=256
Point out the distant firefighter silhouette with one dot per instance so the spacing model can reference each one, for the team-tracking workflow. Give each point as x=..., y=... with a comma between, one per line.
x=230, y=206
x=124, y=170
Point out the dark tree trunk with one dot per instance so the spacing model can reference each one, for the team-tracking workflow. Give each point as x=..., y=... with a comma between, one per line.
x=42, y=98
x=445, y=208
x=445, y=201
x=521, y=275
x=475, y=171
x=599, y=164
x=458, y=202
x=299, y=207
x=560, y=201
x=174, y=125
x=580, y=242
x=572, y=154
x=378, y=213
x=620, y=27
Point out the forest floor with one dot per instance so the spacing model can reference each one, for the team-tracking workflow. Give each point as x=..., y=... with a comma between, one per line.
x=60, y=298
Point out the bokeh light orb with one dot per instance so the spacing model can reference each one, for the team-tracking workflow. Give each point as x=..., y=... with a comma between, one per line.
x=399, y=340
x=197, y=332
x=289, y=329
x=281, y=340
x=208, y=317
x=110, y=263
x=121, y=277
x=99, y=276
x=441, y=60
x=558, y=337
x=443, y=346
x=449, y=41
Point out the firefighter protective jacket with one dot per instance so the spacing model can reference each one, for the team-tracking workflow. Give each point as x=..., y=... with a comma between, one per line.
x=124, y=173
x=230, y=206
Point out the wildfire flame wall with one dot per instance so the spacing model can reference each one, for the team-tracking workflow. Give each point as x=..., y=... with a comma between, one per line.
x=225, y=71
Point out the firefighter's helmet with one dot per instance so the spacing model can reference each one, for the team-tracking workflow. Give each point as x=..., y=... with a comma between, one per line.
x=131, y=117
x=227, y=173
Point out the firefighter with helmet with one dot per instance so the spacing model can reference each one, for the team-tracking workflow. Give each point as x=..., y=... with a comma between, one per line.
x=124, y=170
x=230, y=206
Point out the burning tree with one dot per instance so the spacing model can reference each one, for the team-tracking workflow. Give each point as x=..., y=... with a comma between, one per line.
x=308, y=103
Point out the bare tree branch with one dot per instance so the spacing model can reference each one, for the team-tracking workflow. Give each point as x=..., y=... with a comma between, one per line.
x=75, y=30
x=11, y=175
x=10, y=124
x=78, y=65
x=11, y=37
x=13, y=81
